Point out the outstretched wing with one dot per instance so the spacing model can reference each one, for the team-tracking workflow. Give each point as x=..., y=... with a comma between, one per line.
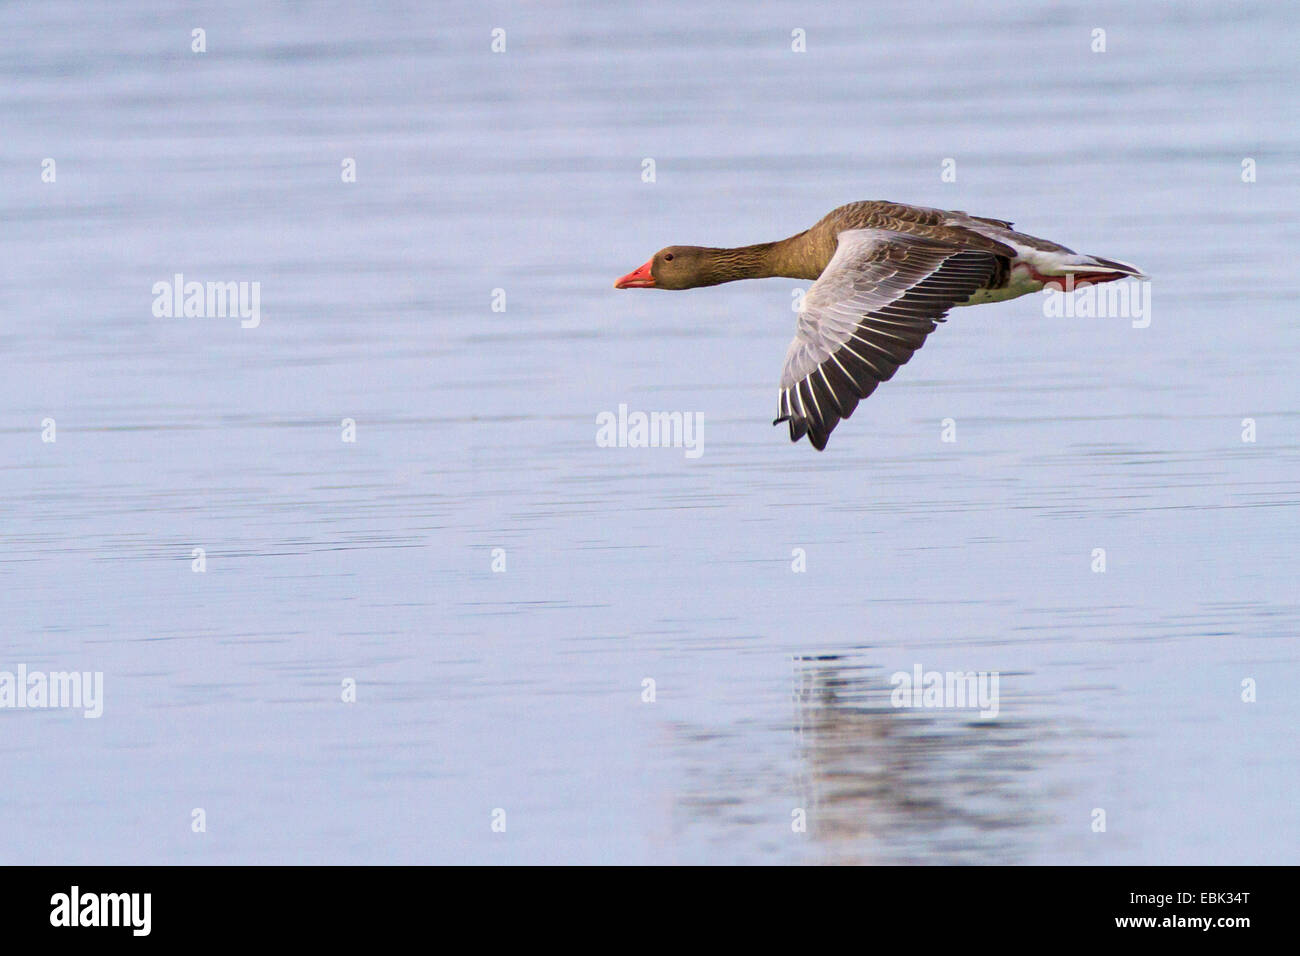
x=877, y=300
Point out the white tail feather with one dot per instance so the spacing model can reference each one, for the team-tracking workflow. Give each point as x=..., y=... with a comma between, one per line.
x=1063, y=264
x=1098, y=264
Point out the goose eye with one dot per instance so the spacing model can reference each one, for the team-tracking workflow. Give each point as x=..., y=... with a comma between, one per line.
x=668, y=258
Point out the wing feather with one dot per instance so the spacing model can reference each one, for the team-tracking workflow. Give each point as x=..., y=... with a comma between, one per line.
x=879, y=297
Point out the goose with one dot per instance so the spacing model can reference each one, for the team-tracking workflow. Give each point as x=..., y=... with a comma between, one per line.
x=885, y=273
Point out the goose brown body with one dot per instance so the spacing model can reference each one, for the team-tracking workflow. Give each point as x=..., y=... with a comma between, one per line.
x=885, y=274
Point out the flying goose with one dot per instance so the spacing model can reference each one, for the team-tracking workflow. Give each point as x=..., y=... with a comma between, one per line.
x=885, y=274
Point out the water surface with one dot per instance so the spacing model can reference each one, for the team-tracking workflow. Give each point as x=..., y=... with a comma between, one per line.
x=522, y=689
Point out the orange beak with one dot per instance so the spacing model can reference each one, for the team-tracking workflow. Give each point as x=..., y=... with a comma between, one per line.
x=641, y=279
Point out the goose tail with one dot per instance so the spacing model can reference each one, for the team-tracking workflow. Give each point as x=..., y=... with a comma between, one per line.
x=1099, y=264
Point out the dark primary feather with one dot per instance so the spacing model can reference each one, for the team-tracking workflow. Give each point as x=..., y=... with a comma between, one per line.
x=879, y=297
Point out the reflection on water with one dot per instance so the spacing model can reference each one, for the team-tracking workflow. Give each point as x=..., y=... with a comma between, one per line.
x=514, y=683
x=889, y=785
x=876, y=783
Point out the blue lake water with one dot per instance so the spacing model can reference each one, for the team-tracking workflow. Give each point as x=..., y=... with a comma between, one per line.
x=521, y=690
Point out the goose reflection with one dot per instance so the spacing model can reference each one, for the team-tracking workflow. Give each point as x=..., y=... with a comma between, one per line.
x=890, y=785
x=872, y=783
